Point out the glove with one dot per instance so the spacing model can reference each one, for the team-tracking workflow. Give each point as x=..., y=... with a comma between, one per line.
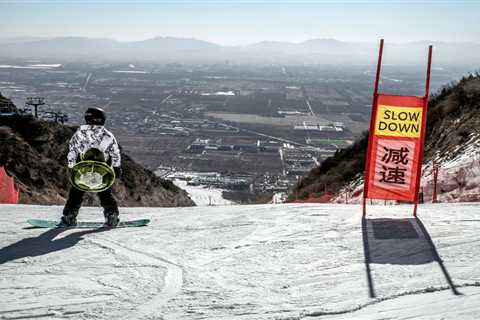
x=118, y=172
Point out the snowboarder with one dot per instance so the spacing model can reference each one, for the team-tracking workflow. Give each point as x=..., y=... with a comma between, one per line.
x=92, y=140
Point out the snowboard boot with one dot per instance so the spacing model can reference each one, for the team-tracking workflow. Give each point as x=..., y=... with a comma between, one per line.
x=69, y=218
x=111, y=218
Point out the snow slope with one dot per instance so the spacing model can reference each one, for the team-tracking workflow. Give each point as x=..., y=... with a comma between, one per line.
x=458, y=175
x=245, y=262
x=201, y=195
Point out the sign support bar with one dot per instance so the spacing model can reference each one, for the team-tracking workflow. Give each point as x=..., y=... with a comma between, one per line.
x=424, y=125
x=372, y=126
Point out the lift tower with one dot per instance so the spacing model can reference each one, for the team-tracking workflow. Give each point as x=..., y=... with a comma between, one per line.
x=35, y=102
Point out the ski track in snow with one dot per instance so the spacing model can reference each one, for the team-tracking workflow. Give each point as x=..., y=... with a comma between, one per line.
x=173, y=278
x=244, y=262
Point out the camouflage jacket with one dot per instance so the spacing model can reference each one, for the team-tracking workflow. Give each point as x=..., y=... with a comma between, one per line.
x=88, y=137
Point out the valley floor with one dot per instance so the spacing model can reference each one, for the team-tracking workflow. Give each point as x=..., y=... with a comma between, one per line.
x=245, y=262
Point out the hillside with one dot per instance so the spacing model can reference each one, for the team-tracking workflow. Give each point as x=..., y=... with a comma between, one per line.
x=453, y=137
x=34, y=153
x=262, y=262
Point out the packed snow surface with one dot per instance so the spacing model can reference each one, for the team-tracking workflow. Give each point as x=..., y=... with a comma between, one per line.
x=245, y=262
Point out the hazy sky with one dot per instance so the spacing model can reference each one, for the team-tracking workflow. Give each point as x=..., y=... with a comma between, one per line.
x=240, y=22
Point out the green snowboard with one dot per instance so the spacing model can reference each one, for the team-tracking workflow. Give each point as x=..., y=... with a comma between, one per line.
x=39, y=223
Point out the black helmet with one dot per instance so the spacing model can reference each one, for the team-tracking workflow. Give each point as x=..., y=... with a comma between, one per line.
x=95, y=116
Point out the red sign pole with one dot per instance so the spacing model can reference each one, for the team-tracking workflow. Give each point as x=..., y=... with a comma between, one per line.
x=372, y=128
x=435, y=178
x=424, y=126
x=429, y=66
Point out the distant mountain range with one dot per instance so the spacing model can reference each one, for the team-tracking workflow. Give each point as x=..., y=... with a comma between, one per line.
x=170, y=49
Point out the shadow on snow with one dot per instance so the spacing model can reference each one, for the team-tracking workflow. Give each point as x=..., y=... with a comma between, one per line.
x=399, y=242
x=43, y=244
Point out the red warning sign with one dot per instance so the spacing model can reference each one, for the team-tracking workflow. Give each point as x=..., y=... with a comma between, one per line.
x=396, y=146
x=395, y=143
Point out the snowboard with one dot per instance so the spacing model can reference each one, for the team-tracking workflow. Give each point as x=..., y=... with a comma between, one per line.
x=39, y=223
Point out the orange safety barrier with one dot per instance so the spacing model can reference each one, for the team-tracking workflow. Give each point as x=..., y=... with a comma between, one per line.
x=8, y=193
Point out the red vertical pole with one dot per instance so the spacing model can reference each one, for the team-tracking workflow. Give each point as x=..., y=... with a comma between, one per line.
x=429, y=66
x=373, y=116
x=435, y=179
x=424, y=127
